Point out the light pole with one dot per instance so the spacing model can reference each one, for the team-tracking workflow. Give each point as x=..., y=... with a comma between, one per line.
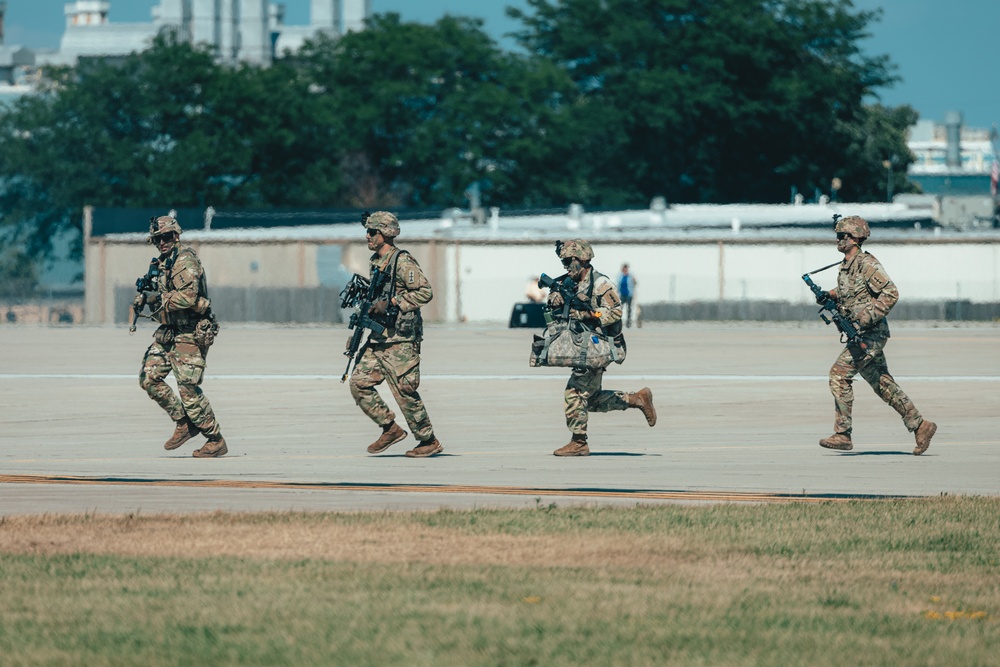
x=888, y=177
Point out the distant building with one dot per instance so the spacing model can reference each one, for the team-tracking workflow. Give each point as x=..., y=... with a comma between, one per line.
x=16, y=62
x=951, y=159
x=251, y=31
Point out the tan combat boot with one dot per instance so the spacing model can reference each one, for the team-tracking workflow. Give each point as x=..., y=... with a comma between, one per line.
x=577, y=446
x=923, y=436
x=643, y=399
x=839, y=441
x=391, y=434
x=425, y=449
x=185, y=431
x=215, y=447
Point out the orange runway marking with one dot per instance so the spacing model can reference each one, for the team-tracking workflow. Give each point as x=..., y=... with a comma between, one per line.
x=637, y=494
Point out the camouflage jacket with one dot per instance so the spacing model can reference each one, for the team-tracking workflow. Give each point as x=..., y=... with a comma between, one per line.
x=183, y=288
x=411, y=289
x=603, y=297
x=865, y=293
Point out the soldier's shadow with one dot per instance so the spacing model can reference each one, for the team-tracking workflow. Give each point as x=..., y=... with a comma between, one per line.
x=877, y=453
x=404, y=456
x=623, y=454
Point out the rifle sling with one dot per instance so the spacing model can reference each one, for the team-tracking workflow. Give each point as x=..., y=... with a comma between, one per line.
x=825, y=268
x=392, y=276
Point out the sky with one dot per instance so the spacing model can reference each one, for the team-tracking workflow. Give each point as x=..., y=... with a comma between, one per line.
x=947, y=53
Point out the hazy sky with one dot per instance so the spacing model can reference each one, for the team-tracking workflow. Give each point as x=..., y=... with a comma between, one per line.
x=948, y=53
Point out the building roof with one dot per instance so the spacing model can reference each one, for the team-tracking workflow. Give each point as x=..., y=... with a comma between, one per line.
x=679, y=222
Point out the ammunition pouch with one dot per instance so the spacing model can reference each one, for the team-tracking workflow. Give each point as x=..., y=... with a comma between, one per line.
x=165, y=336
x=205, y=331
x=573, y=345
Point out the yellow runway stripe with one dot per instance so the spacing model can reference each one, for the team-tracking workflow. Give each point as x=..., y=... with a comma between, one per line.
x=630, y=494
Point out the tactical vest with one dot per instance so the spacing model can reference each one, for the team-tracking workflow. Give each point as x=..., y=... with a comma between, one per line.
x=183, y=320
x=614, y=330
x=403, y=326
x=857, y=287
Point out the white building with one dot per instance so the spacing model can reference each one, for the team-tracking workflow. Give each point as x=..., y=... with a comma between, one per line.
x=950, y=147
x=251, y=31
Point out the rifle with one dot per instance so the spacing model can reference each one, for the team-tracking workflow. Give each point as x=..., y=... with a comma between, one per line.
x=146, y=283
x=829, y=313
x=362, y=293
x=568, y=289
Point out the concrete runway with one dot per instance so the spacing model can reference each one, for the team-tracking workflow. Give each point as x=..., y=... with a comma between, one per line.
x=741, y=408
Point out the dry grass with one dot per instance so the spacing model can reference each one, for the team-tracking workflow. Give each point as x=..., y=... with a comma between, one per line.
x=903, y=582
x=380, y=538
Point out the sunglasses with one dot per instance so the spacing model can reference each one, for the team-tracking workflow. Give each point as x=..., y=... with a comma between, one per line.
x=371, y=232
x=568, y=261
x=843, y=235
x=163, y=237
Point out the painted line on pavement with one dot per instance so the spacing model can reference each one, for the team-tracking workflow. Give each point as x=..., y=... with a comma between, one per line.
x=638, y=494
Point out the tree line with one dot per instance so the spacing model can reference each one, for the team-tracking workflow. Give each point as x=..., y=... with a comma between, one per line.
x=604, y=103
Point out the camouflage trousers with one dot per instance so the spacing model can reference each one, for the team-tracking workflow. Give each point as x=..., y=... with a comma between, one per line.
x=875, y=371
x=399, y=365
x=584, y=395
x=186, y=361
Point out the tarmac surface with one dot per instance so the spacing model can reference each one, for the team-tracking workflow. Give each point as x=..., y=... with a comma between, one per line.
x=741, y=408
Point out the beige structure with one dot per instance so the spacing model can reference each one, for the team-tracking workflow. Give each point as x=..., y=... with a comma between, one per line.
x=478, y=275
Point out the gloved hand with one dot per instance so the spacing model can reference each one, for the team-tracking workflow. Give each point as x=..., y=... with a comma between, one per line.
x=152, y=299
x=379, y=308
x=555, y=300
x=579, y=314
x=821, y=299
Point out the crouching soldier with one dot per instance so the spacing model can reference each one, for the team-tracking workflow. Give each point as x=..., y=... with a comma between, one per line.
x=179, y=301
x=583, y=391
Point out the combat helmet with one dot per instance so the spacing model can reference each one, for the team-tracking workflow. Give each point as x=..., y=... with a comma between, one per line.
x=574, y=248
x=383, y=221
x=160, y=225
x=854, y=225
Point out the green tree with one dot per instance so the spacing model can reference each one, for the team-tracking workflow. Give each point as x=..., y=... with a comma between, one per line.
x=18, y=274
x=877, y=153
x=715, y=100
x=428, y=110
x=167, y=127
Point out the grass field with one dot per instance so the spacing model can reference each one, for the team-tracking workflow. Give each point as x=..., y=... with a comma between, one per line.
x=902, y=582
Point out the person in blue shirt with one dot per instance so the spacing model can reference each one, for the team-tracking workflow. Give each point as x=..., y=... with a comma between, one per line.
x=626, y=289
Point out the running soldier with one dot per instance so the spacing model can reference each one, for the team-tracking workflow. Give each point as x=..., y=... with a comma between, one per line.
x=394, y=355
x=865, y=295
x=583, y=391
x=180, y=344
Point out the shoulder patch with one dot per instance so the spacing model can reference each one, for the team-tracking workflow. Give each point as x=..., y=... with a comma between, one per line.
x=874, y=274
x=878, y=281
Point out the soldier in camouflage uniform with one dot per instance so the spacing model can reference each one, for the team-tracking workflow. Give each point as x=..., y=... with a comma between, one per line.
x=394, y=355
x=583, y=391
x=180, y=303
x=865, y=295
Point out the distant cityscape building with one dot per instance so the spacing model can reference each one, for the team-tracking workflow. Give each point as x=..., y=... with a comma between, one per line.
x=250, y=31
x=950, y=158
